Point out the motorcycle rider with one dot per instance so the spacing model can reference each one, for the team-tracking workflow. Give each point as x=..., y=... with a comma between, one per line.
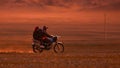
x=42, y=36
x=46, y=37
x=37, y=35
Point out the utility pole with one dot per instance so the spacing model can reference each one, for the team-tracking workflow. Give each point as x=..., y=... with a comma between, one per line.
x=105, y=26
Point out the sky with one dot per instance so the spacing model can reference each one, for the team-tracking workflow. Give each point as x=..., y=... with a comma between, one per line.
x=42, y=4
x=52, y=8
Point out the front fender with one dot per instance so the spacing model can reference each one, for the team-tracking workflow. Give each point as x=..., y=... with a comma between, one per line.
x=60, y=42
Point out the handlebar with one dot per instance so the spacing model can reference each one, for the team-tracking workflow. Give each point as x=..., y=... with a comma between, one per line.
x=55, y=36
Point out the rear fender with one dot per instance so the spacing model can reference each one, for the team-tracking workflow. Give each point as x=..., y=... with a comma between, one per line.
x=33, y=43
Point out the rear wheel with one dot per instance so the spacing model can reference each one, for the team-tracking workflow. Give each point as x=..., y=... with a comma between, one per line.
x=59, y=48
x=36, y=49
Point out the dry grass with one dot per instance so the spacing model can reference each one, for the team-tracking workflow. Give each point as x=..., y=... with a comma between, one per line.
x=73, y=57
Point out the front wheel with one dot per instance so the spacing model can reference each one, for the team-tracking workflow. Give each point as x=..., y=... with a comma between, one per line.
x=36, y=49
x=59, y=48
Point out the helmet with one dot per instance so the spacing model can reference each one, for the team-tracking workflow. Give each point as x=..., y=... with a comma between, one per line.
x=36, y=28
x=45, y=27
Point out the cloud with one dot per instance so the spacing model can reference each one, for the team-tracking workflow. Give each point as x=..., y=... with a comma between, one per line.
x=80, y=4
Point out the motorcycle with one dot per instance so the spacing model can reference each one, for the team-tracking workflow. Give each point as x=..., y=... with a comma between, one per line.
x=58, y=47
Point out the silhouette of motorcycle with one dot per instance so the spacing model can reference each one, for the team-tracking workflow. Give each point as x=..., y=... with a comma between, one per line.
x=58, y=47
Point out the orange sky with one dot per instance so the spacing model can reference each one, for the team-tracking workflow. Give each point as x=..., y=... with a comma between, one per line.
x=73, y=9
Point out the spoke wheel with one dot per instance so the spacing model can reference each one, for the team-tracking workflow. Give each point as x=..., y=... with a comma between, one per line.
x=59, y=48
x=37, y=49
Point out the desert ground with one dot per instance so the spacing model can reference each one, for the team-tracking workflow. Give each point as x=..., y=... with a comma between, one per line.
x=81, y=56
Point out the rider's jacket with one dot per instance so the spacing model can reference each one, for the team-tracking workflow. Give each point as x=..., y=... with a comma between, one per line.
x=37, y=34
x=40, y=34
